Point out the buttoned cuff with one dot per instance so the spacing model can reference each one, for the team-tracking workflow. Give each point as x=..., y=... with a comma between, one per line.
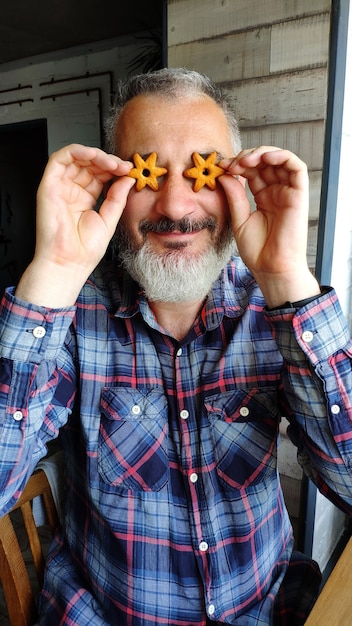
x=32, y=333
x=300, y=303
x=318, y=329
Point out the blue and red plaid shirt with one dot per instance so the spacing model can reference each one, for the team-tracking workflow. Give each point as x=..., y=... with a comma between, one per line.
x=174, y=511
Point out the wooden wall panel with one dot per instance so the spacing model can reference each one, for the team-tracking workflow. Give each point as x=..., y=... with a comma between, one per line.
x=282, y=98
x=305, y=138
x=226, y=58
x=191, y=20
x=272, y=60
x=260, y=52
x=300, y=43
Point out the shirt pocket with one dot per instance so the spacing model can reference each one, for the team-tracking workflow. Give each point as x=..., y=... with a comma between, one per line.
x=244, y=431
x=133, y=438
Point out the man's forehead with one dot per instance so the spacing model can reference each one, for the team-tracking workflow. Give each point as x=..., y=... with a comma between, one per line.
x=150, y=113
x=155, y=104
x=150, y=124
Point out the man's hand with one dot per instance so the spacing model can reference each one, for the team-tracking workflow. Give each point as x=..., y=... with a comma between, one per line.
x=273, y=239
x=72, y=236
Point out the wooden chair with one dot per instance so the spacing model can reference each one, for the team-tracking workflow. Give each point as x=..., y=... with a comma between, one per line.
x=334, y=604
x=17, y=588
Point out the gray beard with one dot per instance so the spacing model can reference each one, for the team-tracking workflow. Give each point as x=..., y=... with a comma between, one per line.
x=177, y=275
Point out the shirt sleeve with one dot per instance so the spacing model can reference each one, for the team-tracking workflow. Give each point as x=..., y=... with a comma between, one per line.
x=317, y=392
x=37, y=388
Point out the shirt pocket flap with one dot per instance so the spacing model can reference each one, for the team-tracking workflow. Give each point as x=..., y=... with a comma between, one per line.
x=244, y=430
x=133, y=438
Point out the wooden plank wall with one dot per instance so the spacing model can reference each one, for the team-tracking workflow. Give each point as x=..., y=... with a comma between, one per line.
x=272, y=58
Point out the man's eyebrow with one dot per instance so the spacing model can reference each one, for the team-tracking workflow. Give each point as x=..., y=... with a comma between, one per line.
x=205, y=155
x=143, y=155
x=130, y=158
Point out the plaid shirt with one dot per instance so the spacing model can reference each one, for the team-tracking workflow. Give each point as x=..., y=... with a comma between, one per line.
x=174, y=511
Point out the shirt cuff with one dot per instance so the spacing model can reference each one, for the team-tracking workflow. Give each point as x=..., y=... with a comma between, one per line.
x=300, y=303
x=29, y=332
x=319, y=329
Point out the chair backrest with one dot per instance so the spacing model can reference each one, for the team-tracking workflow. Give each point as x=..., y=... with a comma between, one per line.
x=16, y=583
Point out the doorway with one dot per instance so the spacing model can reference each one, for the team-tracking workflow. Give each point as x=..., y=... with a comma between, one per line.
x=23, y=156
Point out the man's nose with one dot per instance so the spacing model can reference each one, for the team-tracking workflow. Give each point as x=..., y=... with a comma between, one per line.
x=175, y=198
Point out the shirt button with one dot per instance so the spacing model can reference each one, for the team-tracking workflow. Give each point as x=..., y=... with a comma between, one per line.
x=203, y=546
x=211, y=609
x=244, y=411
x=307, y=336
x=193, y=477
x=136, y=409
x=17, y=416
x=179, y=352
x=39, y=332
x=184, y=414
x=335, y=409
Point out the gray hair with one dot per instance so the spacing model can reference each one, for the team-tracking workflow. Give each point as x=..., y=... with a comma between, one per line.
x=168, y=83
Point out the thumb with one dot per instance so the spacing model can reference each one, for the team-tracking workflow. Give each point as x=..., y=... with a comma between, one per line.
x=237, y=199
x=115, y=201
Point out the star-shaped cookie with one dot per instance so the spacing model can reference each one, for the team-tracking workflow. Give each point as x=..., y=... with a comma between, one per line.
x=205, y=171
x=146, y=172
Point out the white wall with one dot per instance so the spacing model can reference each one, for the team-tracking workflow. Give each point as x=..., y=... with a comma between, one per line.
x=73, y=103
x=74, y=117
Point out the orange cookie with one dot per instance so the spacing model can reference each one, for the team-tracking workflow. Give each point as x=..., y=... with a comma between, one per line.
x=205, y=171
x=146, y=172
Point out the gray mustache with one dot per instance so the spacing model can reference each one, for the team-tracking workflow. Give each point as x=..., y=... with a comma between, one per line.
x=185, y=225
